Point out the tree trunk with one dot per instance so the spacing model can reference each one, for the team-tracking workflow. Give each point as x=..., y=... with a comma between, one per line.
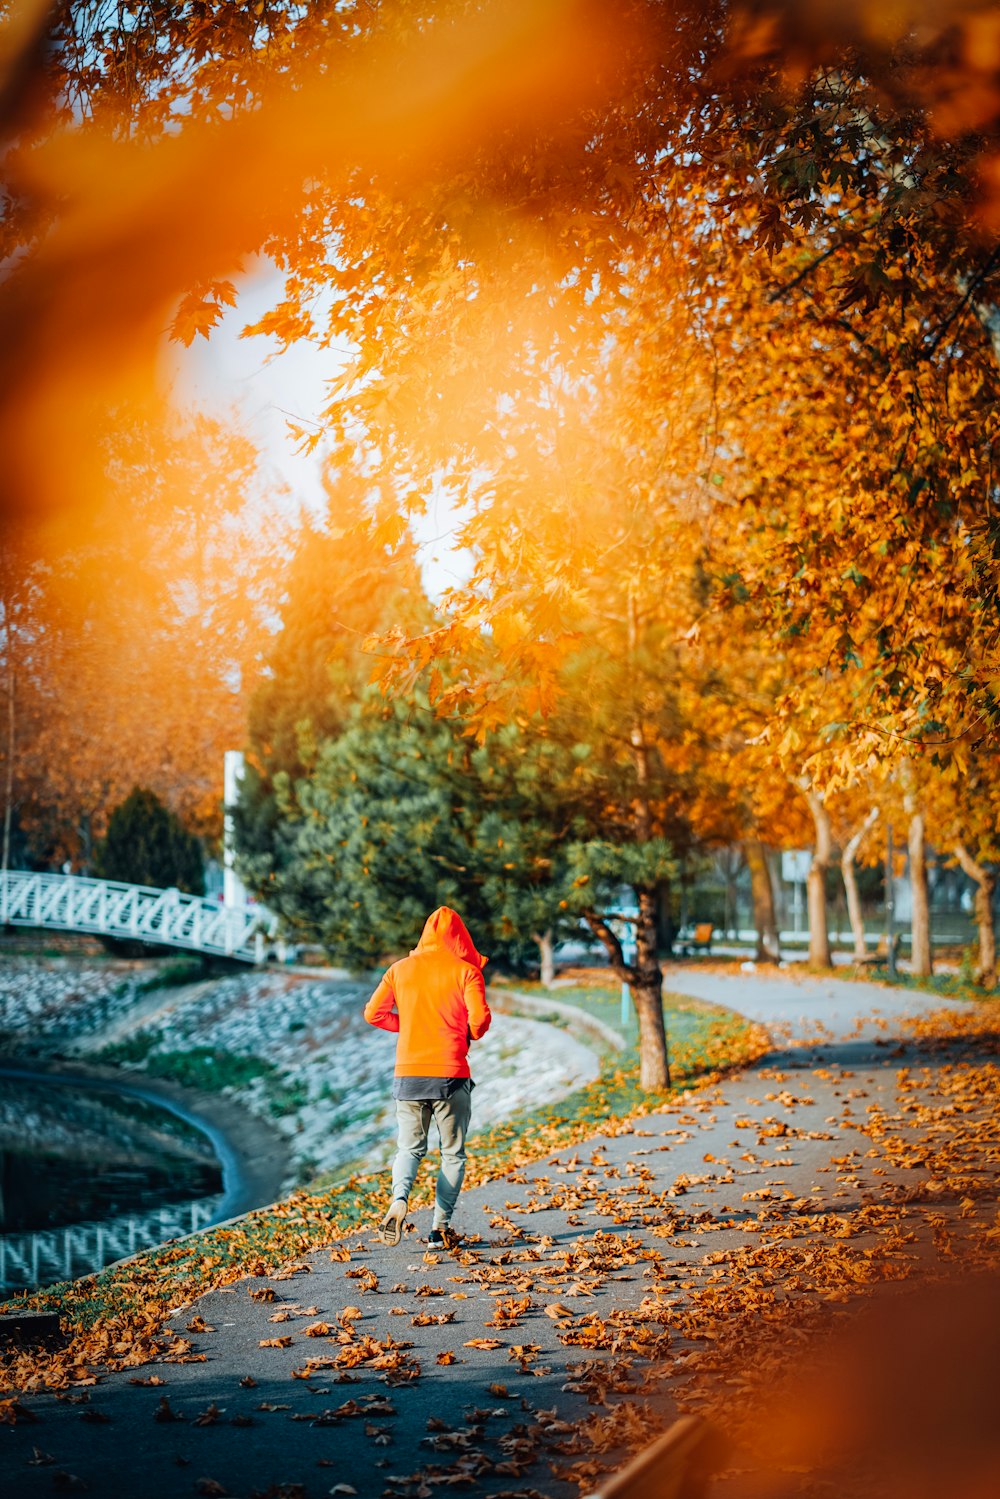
x=647, y=996
x=654, y=1068
x=921, y=955
x=851, y=884
x=645, y=981
x=985, y=879
x=546, y=950
x=665, y=928
x=819, y=934
x=762, y=892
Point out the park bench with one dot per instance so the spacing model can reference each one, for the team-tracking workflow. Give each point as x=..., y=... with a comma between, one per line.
x=677, y=1465
x=880, y=957
x=697, y=939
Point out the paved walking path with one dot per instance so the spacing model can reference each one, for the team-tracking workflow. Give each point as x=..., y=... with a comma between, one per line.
x=589, y=1295
x=796, y=1005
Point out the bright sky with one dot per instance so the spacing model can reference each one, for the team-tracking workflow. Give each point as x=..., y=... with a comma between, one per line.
x=250, y=383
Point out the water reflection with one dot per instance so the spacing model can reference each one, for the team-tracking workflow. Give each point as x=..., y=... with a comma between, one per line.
x=88, y=1175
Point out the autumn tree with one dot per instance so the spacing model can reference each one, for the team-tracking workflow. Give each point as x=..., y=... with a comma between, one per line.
x=137, y=639
x=775, y=119
x=762, y=898
x=597, y=538
x=745, y=796
x=847, y=145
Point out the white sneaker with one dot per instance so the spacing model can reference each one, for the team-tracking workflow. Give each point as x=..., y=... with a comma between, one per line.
x=391, y=1229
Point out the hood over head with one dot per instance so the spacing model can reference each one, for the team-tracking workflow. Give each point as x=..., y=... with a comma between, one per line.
x=445, y=928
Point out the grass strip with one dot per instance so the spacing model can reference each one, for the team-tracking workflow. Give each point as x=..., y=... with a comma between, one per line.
x=598, y=994
x=958, y=985
x=209, y=1069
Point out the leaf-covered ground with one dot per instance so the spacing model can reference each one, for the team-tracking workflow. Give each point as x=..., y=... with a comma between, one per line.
x=614, y=1273
x=113, y=1316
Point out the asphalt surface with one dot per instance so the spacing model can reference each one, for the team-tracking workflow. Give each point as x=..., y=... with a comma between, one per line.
x=793, y=1005
x=587, y=1233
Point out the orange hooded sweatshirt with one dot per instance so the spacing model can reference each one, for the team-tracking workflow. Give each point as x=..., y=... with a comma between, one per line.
x=435, y=999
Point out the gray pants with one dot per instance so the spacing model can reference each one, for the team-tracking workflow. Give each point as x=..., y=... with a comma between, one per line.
x=451, y=1115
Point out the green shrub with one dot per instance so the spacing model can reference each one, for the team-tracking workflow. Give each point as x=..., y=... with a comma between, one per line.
x=286, y=1096
x=210, y=1069
x=131, y=1052
x=147, y=844
x=171, y=975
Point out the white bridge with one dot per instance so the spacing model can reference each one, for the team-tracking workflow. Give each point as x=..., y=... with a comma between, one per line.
x=135, y=913
x=35, y=1259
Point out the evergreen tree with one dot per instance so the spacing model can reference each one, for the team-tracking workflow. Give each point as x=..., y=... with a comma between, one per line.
x=147, y=844
x=402, y=812
x=521, y=828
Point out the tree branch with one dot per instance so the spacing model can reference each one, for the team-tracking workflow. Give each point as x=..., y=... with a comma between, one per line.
x=968, y=286
x=612, y=946
x=782, y=291
x=821, y=821
x=969, y=865
x=857, y=838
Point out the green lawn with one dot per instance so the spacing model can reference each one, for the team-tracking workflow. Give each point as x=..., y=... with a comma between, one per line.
x=601, y=997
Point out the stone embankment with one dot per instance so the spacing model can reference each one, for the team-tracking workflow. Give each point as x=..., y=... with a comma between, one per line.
x=48, y=1003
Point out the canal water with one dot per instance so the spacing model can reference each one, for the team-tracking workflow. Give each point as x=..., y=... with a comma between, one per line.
x=90, y=1174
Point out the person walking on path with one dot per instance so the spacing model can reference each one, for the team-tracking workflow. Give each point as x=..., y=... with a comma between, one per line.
x=436, y=1000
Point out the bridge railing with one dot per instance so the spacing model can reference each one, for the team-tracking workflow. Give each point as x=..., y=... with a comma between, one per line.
x=141, y=913
x=38, y=1258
